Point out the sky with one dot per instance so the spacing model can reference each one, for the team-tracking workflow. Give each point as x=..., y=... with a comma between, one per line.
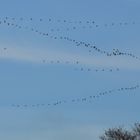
x=54, y=88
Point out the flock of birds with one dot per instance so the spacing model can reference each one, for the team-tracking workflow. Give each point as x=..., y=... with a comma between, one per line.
x=78, y=67
x=75, y=24
x=89, y=46
x=12, y=22
x=89, y=99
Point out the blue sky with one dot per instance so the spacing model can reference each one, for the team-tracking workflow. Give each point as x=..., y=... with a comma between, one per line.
x=38, y=70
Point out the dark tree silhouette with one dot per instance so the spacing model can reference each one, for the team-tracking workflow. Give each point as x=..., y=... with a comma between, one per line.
x=136, y=130
x=122, y=134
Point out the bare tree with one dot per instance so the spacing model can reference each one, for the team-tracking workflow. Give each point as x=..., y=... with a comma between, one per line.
x=136, y=130
x=122, y=134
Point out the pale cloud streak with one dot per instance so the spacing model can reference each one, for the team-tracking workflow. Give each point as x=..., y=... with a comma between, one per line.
x=34, y=55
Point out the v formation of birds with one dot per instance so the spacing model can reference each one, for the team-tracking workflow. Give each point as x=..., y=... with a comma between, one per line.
x=21, y=24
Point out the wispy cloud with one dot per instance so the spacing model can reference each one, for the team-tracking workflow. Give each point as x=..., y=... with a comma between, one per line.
x=35, y=55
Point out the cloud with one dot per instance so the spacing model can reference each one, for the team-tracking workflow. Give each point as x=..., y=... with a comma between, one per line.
x=38, y=56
